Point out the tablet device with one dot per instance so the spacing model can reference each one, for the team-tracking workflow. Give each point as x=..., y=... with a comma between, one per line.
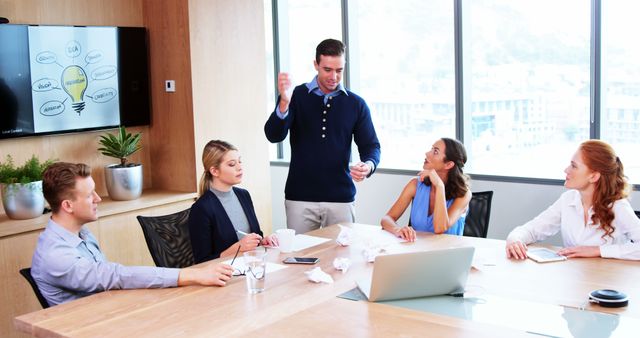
x=543, y=255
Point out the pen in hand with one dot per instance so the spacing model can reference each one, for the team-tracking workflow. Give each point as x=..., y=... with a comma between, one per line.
x=242, y=233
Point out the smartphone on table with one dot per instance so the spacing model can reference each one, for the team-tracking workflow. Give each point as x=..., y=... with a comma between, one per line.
x=301, y=260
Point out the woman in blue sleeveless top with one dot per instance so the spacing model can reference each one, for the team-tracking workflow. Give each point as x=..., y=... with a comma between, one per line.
x=439, y=196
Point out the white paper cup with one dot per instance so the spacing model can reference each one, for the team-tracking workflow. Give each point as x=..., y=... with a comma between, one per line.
x=286, y=238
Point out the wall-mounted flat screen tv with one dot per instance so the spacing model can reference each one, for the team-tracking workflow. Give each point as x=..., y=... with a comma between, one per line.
x=56, y=79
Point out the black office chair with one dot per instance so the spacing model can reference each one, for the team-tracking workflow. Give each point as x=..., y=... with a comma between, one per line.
x=26, y=273
x=168, y=239
x=637, y=213
x=477, y=222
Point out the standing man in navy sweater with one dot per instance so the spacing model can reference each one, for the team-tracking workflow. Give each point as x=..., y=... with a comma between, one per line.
x=323, y=117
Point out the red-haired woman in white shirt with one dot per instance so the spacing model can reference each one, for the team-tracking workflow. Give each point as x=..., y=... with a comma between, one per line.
x=594, y=217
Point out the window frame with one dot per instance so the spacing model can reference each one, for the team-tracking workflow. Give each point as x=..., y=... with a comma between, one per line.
x=462, y=82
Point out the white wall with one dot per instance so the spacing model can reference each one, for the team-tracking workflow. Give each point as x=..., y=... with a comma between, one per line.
x=513, y=203
x=228, y=94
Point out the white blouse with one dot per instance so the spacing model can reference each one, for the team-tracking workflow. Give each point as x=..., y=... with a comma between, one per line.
x=567, y=216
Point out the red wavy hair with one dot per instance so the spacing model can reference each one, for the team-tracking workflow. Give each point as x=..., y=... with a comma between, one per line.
x=612, y=185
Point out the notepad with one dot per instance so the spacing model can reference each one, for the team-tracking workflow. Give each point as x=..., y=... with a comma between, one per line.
x=302, y=242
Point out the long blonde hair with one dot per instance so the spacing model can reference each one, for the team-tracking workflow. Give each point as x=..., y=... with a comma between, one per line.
x=212, y=156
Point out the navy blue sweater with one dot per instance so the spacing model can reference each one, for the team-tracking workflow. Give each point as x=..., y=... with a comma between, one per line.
x=319, y=168
x=210, y=228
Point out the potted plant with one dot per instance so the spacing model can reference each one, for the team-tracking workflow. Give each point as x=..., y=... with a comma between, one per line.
x=22, y=188
x=124, y=180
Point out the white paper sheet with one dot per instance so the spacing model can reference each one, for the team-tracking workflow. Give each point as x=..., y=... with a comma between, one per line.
x=375, y=236
x=238, y=265
x=387, y=237
x=302, y=242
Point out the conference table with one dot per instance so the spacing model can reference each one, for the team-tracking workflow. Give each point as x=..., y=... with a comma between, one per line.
x=503, y=298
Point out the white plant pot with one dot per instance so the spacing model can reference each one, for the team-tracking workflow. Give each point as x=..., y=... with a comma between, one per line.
x=23, y=201
x=123, y=184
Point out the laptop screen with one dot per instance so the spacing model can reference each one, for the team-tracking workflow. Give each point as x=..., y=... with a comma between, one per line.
x=418, y=274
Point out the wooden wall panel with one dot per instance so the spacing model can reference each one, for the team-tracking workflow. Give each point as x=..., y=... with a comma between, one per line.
x=172, y=152
x=74, y=12
x=228, y=66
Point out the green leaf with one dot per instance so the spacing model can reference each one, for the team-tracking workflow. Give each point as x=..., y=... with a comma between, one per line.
x=120, y=145
x=30, y=171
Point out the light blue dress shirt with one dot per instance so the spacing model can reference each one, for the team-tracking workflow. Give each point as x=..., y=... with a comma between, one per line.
x=67, y=266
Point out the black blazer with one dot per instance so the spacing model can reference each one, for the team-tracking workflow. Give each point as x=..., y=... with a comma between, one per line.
x=210, y=228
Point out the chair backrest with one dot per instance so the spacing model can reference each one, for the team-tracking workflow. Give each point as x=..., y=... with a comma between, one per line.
x=637, y=213
x=477, y=222
x=168, y=239
x=26, y=273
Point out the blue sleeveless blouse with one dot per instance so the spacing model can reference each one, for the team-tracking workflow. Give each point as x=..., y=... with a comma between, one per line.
x=420, y=221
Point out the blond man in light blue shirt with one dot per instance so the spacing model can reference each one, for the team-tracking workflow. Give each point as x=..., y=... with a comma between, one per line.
x=68, y=263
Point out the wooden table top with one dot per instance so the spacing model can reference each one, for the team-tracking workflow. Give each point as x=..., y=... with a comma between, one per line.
x=292, y=306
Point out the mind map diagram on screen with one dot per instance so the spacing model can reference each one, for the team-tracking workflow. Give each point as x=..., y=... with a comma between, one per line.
x=74, y=77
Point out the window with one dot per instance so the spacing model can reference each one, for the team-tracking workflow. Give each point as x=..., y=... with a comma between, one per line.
x=270, y=63
x=526, y=88
x=402, y=63
x=539, y=71
x=621, y=82
x=302, y=24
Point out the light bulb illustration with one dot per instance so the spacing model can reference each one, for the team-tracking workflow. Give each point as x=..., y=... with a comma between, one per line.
x=74, y=82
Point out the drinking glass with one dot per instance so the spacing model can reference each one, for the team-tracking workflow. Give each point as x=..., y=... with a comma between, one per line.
x=255, y=265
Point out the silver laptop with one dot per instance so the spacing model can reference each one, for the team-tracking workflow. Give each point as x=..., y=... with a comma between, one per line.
x=418, y=274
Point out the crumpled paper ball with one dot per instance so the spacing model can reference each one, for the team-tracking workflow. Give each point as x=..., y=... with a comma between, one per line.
x=342, y=264
x=316, y=275
x=370, y=253
x=345, y=237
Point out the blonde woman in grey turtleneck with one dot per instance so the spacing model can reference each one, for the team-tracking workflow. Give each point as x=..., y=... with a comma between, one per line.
x=223, y=221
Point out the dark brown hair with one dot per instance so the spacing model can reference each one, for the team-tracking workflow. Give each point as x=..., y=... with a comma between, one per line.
x=59, y=182
x=329, y=47
x=612, y=185
x=457, y=181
